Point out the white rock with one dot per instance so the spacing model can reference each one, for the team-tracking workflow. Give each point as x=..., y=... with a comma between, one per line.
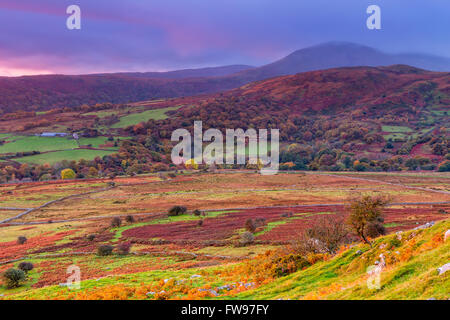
x=196, y=276
x=444, y=268
x=447, y=235
x=425, y=226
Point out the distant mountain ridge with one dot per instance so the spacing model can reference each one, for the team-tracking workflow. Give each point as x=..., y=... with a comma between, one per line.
x=187, y=73
x=50, y=91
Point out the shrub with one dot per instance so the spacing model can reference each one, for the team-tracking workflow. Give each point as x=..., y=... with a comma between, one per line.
x=288, y=264
x=91, y=237
x=200, y=222
x=395, y=242
x=444, y=166
x=247, y=238
x=259, y=222
x=124, y=248
x=67, y=174
x=129, y=219
x=13, y=277
x=177, y=211
x=197, y=213
x=250, y=225
x=21, y=240
x=116, y=222
x=26, y=266
x=104, y=250
x=326, y=235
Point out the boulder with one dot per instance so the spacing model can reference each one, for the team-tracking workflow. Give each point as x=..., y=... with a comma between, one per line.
x=447, y=235
x=425, y=226
x=444, y=268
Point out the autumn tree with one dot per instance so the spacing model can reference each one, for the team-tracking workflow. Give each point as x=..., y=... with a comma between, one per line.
x=365, y=211
x=67, y=174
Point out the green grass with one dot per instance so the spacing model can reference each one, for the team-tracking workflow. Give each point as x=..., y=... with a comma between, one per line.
x=395, y=137
x=396, y=129
x=135, y=118
x=33, y=143
x=415, y=278
x=342, y=277
x=58, y=156
x=44, y=144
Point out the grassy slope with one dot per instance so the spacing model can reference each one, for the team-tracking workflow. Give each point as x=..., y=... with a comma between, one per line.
x=53, y=157
x=344, y=277
x=135, y=118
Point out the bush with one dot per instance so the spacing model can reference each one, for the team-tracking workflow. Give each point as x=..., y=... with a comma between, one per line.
x=200, y=222
x=329, y=233
x=250, y=225
x=124, y=248
x=13, y=277
x=26, y=266
x=444, y=166
x=247, y=238
x=67, y=174
x=197, y=213
x=260, y=222
x=177, y=211
x=91, y=237
x=129, y=219
x=116, y=222
x=21, y=240
x=104, y=250
x=288, y=264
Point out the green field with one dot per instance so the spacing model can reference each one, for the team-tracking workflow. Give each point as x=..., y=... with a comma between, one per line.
x=135, y=118
x=53, y=157
x=396, y=129
x=44, y=144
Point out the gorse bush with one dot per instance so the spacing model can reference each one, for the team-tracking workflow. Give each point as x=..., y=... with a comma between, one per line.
x=288, y=264
x=177, y=211
x=26, y=266
x=124, y=248
x=104, y=250
x=247, y=238
x=197, y=212
x=21, y=240
x=250, y=225
x=116, y=222
x=13, y=277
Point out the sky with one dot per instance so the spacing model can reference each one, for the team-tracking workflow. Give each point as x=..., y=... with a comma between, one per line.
x=162, y=35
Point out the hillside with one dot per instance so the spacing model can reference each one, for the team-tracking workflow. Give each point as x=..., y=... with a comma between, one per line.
x=364, y=112
x=360, y=118
x=411, y=271
x=49, y=91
